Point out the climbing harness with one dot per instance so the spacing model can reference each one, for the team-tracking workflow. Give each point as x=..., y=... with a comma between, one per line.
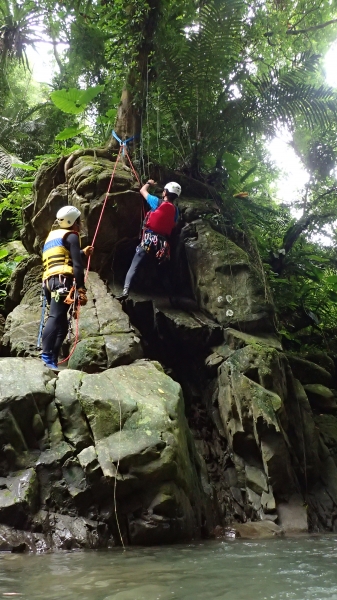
x=155, y=243
x=56, y=294
x=70, y=299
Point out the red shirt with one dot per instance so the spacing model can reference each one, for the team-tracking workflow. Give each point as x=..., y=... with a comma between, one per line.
x=163, y=219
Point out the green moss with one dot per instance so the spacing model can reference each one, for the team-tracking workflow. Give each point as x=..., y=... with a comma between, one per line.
x=266, y=402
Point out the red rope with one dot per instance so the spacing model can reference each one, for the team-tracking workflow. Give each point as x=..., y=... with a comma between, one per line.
x=76, y=336
x=102, y=211
x=94, y=239
x=132, y=167
x=142, y=213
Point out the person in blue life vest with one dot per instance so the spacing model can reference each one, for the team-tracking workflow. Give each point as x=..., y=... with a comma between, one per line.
x=62, y=265
x=158, y=226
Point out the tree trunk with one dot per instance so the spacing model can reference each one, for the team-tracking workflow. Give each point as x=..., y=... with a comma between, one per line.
x=134, y=94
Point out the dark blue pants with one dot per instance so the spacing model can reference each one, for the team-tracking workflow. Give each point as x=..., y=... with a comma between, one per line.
x=140, y=257
x=56, y=327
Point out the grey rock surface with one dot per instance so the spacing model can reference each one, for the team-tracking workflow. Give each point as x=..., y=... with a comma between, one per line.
x=109, y=435
x=226, y=283
x=309, y=372
x=74, y=442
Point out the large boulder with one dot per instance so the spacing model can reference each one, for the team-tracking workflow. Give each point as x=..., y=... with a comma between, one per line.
x=111, y=439
x=22, y=281
x=226, y=283
x=327, y=426
x=83, y=181
x=95, y=447
x=309, y=372
x=321, y=398
x=104, y=339
x=280, y=459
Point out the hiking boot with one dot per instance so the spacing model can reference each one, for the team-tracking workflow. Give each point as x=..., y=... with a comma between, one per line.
x=55, y=359
x=48, y=360
x=123, y=296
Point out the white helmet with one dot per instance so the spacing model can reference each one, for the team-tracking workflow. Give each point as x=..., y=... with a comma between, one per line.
x=67, y=216
x=173, y=187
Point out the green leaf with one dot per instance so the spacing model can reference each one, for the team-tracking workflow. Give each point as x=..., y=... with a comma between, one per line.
x=24, y=184
x=3, y=253
x=318, y=258
x=230, y=162
x=331, y=279
x=75, y=101
x=281, y=281
x=111, y=113
x=68, y=151
x=69, y=132
x=23, y=166
x=69, y=101
x=313, y=273
x=250, y=172
x=91, y=93
x=332, y=296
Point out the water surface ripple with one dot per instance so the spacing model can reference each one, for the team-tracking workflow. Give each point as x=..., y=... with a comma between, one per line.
x=284, y=569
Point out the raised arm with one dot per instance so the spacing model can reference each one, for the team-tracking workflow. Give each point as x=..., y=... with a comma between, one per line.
x=145, y=189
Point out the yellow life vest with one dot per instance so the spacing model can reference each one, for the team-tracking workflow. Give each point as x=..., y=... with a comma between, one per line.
x=56, y=258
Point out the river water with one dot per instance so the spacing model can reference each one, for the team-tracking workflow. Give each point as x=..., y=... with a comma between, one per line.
x=294, y=568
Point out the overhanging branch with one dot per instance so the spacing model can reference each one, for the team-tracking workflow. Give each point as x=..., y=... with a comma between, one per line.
x=312, y=28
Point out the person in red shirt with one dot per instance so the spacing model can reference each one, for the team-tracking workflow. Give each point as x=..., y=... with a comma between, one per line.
x=158, y=225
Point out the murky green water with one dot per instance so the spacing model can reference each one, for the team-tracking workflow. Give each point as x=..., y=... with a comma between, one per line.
x=295, y=569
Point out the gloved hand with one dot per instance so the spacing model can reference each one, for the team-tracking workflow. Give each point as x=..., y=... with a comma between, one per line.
x=88, y=250
x=82, y=296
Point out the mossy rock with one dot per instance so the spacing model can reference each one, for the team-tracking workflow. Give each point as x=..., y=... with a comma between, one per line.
x=322, y=359
x=89, y=355
x=320, y=397
x=327, y=425
x=308, y=372
x=226, y=284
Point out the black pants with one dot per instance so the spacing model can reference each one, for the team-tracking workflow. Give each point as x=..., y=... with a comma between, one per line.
x=141, y=256
x=56, y=327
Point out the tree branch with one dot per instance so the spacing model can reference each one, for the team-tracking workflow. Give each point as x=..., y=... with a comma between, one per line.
x=312, y=28
x=57, y=56
x=277, y=262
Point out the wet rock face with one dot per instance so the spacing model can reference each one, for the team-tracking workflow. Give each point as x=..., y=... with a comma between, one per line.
x=73, y=443
x=262, y=442
x=105, y=337
x=83, y=181
x=225, y=282
x=208, y=265
x=281, y=451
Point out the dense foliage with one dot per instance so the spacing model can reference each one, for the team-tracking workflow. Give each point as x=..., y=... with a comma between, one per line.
x=203, y=85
